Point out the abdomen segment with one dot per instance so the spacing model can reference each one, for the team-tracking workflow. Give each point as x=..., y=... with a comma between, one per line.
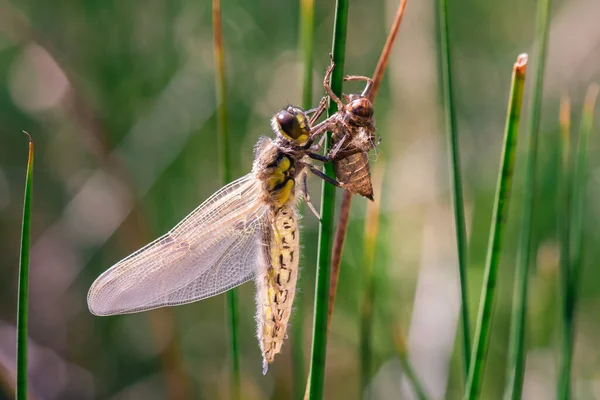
x=276, y=286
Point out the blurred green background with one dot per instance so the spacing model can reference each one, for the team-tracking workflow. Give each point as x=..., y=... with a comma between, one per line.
x=119, y=98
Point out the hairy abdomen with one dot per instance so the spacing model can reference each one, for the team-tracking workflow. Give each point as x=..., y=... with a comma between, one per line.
x=276, y=286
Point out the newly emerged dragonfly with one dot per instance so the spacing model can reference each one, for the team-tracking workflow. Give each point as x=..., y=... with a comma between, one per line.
x=247, y=230
x=353, y=136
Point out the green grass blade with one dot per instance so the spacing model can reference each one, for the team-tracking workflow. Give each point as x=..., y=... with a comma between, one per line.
x=457, y=191
x=307, y=33
x=499, y=217
x=225, y=172
x=564, y=193
x=307, y=28
x=577, y=213
x=21, y=389
x=516, y=356
x=316, y=376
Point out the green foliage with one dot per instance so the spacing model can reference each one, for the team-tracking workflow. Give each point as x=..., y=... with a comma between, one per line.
x=456, y=178
x=517, y=350
x=22, y=305
x=499, y=220
x=573, y=240
x=316, y=374
x=226, y=175
x=130, y=146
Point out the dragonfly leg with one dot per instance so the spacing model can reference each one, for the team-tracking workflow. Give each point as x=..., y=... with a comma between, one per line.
x=319, y=157
x=367, y=88
x=317, y=112
x=327, y=86
x=320, y=144
x=322, y=175
x=320, y=129
x=333, y=152
x=307, y=197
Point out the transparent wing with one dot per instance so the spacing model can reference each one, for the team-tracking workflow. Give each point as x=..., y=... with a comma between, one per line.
x=213, y=249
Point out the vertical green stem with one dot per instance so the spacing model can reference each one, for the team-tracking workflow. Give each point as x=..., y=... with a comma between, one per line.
x=307, y=27
x=316, y=377
x=516, y=356
x=577, y=212
x=225, y=172
x=22, y=310
x=564, y=194
x=457, y=192
x=307, y=33
x=499, y=218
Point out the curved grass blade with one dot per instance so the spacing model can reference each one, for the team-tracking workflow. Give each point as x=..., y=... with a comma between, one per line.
x=22, y=311
x=225, y=172
x=307, y=28
x=516, y=355
x=316, y=375
x=499, y=217
x=456, y=179
x=576, y=245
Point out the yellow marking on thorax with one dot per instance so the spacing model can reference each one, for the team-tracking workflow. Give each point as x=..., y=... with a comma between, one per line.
x=304, y=127
x=280, y=175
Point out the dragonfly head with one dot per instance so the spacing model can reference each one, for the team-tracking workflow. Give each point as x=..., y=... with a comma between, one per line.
x=291, y=124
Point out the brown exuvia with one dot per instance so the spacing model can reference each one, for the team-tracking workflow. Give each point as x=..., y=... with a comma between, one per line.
x=353, y=136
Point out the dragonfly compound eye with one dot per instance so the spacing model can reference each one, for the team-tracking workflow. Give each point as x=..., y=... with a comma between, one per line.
x=291, y=124
x=362, y=107
x=287, y=123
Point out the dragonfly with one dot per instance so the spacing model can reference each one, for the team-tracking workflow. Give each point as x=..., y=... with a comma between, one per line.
x=353, y=136
x=247, y=230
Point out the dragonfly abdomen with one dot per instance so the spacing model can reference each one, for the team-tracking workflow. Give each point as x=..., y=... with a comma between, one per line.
x=277, y=287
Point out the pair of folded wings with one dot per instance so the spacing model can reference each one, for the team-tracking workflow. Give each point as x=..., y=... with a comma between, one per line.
x=214, y=249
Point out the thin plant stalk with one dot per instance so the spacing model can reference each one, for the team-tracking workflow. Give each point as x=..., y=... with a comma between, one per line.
x=316, y=375
x=385, y=53
x=23, y=297
x=346, y=204
x=577, y=212
x=307, y=28
x=456, y=179
x=307, y=33
x=225, y=172
x=516, y=355
x=344, y=215
x=338, y=247
x=407, y=368
x=580, y=180
x=499, y=218
x=135, y=231
x=368, y=277
x=564, y=193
